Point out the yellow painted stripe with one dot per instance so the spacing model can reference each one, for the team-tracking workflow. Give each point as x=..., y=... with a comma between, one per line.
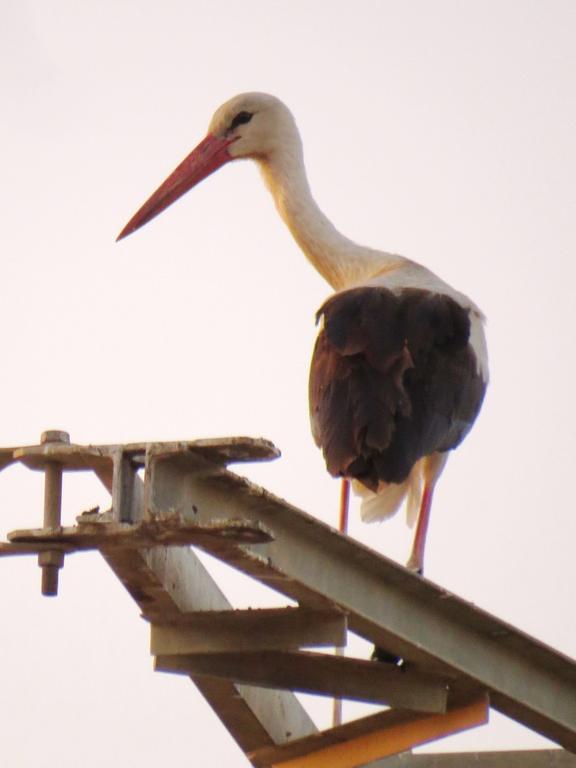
x=391, y=741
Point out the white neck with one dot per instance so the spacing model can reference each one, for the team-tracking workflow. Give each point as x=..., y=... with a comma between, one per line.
x=340, y=261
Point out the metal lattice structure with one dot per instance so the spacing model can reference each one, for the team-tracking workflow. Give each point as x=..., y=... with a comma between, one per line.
x=459, y=660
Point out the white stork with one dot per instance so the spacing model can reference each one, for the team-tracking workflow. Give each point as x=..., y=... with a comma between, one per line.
x=399, y=369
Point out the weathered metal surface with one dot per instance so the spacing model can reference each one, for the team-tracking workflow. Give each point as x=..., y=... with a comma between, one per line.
x=219, y=451
x=313, y=564
x=247, y=630
x=165, y=581
x=322, y=674
x=167, y=530
x=9, y=549
x=310, y=563
x=71, y=457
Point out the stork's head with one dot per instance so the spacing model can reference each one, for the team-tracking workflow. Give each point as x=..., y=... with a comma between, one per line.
x=256, y=124
x=251, y=125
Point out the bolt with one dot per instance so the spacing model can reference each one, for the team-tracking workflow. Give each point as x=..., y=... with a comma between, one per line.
x=52, y=560
x=54, y=436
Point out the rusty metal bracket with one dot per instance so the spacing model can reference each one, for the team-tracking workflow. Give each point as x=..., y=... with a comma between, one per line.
x=128, y=524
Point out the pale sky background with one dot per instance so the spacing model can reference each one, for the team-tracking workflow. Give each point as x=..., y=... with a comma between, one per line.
x=444, y=131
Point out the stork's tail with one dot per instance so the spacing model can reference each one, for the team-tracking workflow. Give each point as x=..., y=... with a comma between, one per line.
x=386, y=501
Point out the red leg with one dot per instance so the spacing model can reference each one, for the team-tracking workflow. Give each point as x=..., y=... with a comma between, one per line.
x=344, y=499
x=342, y=527
x=416, y=560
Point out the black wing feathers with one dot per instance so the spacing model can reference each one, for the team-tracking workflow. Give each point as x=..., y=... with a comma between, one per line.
x=393, y=379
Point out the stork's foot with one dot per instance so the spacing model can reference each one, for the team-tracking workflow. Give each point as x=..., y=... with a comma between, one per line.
x=381, y=654
x=385, y=657
x=417, y=571
x=415, y=565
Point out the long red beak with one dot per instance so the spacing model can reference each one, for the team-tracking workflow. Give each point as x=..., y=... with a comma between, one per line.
x=208, y=156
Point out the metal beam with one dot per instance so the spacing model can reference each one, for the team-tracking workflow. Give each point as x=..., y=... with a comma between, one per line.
x=172, y=578
x=165, y=581
x=394, y=738
x=318, y=673
x=249, y=630
x=99, y=531
x=312, y=563
x=354, y=729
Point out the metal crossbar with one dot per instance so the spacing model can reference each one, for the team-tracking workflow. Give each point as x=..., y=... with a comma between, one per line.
x=457, y=658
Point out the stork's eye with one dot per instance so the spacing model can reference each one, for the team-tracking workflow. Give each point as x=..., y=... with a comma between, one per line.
x=240, y=119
